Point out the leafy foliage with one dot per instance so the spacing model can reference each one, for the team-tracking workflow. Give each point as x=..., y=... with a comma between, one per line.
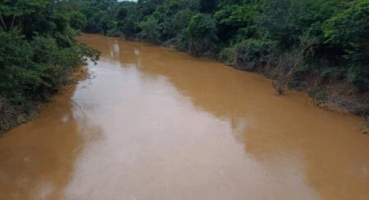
x=150, y=30
x=37, y=53
x=249, y=54
x=201, y=33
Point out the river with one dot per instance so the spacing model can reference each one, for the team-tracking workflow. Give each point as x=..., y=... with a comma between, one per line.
x=156, y=124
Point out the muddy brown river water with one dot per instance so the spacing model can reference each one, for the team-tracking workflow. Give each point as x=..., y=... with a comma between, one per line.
x=155, y=124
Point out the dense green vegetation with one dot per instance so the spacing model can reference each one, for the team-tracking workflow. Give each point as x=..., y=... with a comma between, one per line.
x=38, y=52
x=317, y=45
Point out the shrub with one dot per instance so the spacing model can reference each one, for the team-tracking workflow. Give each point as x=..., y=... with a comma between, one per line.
x=249, y=54
x=201, y=33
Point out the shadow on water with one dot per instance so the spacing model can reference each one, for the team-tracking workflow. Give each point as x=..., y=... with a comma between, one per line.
x=36, y=159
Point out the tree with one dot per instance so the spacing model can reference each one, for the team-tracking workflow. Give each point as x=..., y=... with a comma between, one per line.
x=37, y=54
x=150, y=30
x=201, y=32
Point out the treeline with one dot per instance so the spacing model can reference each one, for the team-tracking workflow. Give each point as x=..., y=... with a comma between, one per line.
x=38, y=52
x=317, y=45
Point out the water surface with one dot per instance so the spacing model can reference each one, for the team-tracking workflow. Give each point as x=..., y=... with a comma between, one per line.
x=155, y=124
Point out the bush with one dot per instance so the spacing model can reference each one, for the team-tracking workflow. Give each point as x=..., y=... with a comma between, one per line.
x=150, y=30
x=201, y=33
x=249, y=54
x=33, y=70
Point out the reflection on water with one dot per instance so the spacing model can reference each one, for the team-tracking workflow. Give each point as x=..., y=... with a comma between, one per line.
x=157, y=124
x=36, y=159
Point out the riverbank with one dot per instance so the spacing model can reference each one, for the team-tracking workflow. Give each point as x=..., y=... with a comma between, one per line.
x=327, y=93
x=312, y=46
x=332, y=94
x=38, y=53
x=12, y=115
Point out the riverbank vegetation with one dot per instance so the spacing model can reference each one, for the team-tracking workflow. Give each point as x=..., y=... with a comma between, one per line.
x=320, y=46
x=38, y=53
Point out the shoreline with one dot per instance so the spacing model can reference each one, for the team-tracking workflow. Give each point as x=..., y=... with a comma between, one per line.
x=333, y=100
x=12, y=116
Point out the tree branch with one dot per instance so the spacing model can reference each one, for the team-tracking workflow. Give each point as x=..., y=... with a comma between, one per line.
x=2, y=21
x=12, y=21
